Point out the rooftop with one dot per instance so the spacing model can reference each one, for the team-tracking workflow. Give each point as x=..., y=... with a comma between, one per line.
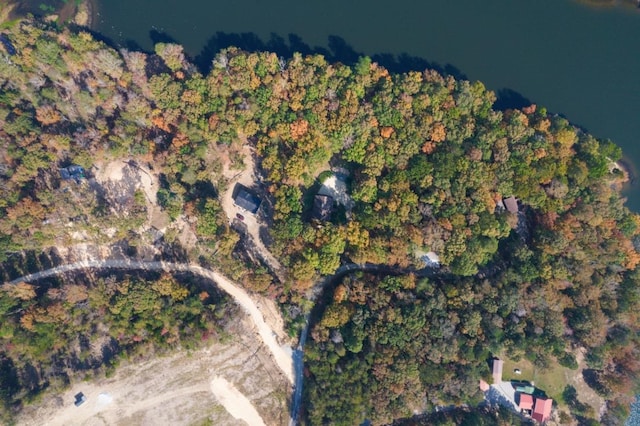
x=72, y=172
x=525, y=388
x=246, y=200
x=511, y=204
x=322, y=207
x=526, y=401
x=542, y=409
x=496, y=369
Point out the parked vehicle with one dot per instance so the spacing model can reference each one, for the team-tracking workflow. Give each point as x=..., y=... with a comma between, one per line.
x=80, y=399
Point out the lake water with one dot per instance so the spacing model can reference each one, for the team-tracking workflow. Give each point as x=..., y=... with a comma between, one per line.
x=576, y=60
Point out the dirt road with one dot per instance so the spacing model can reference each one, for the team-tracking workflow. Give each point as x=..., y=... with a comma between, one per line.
x=282, y=354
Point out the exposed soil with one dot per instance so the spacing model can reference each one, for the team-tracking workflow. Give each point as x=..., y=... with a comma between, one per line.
x=223, y=382
x=234, y=402
x=586, y=394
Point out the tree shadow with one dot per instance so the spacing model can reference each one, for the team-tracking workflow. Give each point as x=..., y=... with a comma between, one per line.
x=510, y=99
x=592, y=378
x=161, y=37
x=337, y=50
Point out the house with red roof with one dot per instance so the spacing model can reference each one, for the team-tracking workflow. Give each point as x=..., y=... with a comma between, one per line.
x=526, y=403
x=542, y=409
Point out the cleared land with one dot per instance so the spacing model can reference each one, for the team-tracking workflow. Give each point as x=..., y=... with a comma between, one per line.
x=553, y=380
x=179, y=390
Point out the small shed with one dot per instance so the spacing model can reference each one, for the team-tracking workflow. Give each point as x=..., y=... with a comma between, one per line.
x=484, y=386
x=8, y=46
x=496, y=370
x=79, y=399
x=526, y=402
x=322, y=207
x=511, y=204
x=431, y=259
x=73, y=172
x=246, y=200
x=542, y=409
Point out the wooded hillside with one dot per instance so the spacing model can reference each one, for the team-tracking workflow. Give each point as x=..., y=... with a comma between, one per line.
x=426, y=162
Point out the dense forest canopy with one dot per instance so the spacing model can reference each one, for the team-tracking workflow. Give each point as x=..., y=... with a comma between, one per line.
x=426, y=162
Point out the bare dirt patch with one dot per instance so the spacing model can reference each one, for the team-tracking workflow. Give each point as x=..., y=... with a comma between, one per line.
x=235, y=403
x=120, y=179
x=178, y=390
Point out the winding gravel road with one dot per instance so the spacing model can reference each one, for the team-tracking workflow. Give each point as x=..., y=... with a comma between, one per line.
x=282, y=355
x=290, y=362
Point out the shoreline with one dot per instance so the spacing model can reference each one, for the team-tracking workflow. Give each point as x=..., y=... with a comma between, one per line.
x=85, y=13
x=82, y=14
x=626, y=167
x=92, y=10
x=610, y=4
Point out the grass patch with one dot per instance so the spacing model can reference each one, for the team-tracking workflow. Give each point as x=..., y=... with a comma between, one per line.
x=8, y=24
x=551, y=380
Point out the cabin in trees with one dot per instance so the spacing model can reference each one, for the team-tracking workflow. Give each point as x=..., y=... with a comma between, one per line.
x=73, y=172
x=245, y=199
x=322, y=207
x=511, y=204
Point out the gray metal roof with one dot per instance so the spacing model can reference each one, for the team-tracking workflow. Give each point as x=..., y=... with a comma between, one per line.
x=247, y=201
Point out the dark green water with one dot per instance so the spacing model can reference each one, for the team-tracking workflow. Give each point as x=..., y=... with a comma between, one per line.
x=575, y=60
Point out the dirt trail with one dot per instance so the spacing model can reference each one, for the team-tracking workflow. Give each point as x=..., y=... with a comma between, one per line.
x=235, y=403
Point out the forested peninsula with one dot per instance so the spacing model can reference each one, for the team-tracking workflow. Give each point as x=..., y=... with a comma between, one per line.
x=472, y=233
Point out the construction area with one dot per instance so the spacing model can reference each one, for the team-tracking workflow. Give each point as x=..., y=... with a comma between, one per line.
x=230, y=383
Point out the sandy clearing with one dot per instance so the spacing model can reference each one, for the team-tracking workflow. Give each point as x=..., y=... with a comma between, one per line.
x=272, y=315
x=177, y=390
x=235, y=403
x=586, y=394
x=112, y=171
x=120, y=173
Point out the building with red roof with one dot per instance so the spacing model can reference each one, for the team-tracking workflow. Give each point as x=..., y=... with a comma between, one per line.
x=542, y=409
x=526, y=402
